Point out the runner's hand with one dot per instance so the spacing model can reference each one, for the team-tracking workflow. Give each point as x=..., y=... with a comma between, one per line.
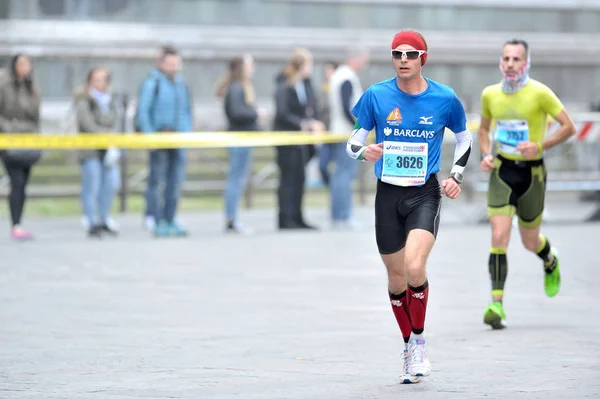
x=487, y=163
x=373, y=152
x=529, y=149
x=451, y=188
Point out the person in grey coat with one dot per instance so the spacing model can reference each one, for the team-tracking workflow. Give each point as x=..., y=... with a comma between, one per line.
x=100, y=177
x=242, y=116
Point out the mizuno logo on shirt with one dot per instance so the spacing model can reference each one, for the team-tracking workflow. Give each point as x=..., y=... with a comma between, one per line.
x=425, y=120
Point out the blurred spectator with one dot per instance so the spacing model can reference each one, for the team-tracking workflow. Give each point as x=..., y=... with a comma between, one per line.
x=154, y=74
x=295, y=104
x=595, y=216
x=149, y=217
x=165, y=105
x=100, y=177
x=344, y=93
x=593, y=196
x=242, y=115
x=324, y=112
x=19, y=113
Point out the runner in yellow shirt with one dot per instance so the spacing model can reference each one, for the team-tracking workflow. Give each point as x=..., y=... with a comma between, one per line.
x=520, y=107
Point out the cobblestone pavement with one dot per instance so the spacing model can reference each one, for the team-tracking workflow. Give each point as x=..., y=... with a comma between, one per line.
x=285, y=315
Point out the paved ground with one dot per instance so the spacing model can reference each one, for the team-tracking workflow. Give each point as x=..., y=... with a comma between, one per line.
x=293, y=315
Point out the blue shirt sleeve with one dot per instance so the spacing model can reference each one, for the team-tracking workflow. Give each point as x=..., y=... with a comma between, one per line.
x=145, y=106
x=364, y=111
x=457, y=118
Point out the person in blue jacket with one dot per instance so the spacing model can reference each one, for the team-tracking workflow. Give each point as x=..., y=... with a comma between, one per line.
x=165, y=105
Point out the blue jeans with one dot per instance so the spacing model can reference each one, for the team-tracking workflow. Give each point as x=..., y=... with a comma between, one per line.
x=325, y=158
x=240, y=160
x=99, y=185
x=167, y=167
x=340, y=185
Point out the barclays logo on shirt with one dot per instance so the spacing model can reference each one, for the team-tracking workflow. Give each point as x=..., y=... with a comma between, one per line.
x=414, y=133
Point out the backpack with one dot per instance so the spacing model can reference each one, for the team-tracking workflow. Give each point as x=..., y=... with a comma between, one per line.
x=136, y=126
x=154, y=96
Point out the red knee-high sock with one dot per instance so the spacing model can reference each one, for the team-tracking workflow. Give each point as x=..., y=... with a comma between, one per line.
x=417, y=305
x=400, y=309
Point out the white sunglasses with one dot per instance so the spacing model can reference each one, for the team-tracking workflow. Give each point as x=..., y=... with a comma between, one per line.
x=410, y=54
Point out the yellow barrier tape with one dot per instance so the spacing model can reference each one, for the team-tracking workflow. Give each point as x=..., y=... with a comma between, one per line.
x=141, y=141
x=162, y=140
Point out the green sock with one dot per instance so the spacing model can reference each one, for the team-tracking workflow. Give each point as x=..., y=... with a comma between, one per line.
x=498, y=267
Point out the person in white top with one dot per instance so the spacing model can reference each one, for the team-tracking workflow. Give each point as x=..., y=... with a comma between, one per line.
x=345, y=90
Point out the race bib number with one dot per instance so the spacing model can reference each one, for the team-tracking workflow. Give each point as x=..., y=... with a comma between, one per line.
x=509, y=133
x=404, y=164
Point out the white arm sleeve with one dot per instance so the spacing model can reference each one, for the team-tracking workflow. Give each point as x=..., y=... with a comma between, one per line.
x=355, y=147
x=462, y=151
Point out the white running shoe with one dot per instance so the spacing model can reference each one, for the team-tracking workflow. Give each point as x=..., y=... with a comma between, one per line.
x=85, y=223
x=239, y=228
x=419, y=363
x=405, y=376
x=112, y=224
x=149, y=223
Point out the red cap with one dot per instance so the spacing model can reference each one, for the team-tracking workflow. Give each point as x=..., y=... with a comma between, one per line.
x=413, y=39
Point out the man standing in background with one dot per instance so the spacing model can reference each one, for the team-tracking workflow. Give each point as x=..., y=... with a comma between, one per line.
x=165, y=106
x=149, y=217
x=345, y=90
x=325, y=149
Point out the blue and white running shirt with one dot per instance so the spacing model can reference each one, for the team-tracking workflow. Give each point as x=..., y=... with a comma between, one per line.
x=411, y=126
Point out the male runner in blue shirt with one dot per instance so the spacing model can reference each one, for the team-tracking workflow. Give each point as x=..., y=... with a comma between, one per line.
x=409, y=114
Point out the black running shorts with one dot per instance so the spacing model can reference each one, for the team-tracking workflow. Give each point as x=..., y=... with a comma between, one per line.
x=398, y=210
x=518, y=187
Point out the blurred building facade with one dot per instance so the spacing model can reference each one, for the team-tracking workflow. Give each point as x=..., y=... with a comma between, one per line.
x=66, y=37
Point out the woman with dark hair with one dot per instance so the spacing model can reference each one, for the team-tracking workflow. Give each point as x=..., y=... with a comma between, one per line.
x=100, y=178
x=242, y=116
x=19, y=113
x=296, y=110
